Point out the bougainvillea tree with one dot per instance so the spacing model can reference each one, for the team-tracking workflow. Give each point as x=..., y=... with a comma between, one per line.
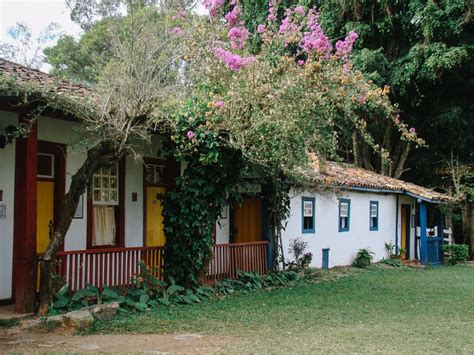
x=272, y=106
x=227, y=109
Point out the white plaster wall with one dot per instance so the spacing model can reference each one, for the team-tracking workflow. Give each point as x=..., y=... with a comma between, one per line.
x=222, y=228
x=65, y=132
x=343, y=245
x=7, y=184
x=133, y=209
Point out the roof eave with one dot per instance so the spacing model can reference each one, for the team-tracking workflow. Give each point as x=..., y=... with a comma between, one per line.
x=398, y=192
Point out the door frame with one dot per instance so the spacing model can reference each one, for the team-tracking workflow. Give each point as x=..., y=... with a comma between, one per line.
x=407, y=209
x=58, y=150
x=232, y=216
x=165, y=184
x=119, y=213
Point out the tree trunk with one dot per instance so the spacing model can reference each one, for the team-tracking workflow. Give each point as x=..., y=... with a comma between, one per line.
x=468, y=227
x=366, y=156
x=400, y=167
x=356, y=150
x=98, y=157
x=386, y=145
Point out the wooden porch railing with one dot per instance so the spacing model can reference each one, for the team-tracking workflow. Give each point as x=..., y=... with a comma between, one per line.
x=115, y=266
x=229, y=258
x=106, y=267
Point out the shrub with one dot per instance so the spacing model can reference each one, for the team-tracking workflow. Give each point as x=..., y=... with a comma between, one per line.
x=455, y=253
x=302, y=260
x=389, y=248
x=147, y=291
x=392, y=262
x=363, y=258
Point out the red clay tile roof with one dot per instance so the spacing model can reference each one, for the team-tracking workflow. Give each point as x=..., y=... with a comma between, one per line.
x=348, y=176
x=336, y=174
x=41, y=81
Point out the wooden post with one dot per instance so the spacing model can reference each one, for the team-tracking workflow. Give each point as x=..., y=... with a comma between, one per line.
x=423, y=241
x=440, y=235
x=24, y=244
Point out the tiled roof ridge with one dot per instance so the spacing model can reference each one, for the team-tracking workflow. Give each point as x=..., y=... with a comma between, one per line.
x=42, y=73
x=339, y=174
x=41, y=80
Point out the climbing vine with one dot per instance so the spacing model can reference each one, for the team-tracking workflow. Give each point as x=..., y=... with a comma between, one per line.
x=208, y=183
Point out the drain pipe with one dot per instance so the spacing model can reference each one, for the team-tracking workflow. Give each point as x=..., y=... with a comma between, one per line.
x=396, y=228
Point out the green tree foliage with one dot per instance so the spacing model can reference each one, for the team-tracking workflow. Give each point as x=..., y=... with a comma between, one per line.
x=81, y=60
x=424, y=50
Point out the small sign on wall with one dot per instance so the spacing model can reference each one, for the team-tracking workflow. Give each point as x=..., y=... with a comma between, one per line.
x=3, y=211
x=79, y=214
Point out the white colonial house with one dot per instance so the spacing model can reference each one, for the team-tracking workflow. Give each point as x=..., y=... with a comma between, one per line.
x=363, y=209
x=118, y=221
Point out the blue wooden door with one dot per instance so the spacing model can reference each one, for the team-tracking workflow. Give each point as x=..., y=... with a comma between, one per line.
x=325, y=264
x=435, y=250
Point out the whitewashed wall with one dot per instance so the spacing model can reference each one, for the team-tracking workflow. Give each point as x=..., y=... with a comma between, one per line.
x=7, y=184
x=223, y=228
x=133, y=209
x=343, y=245
x=64, y=132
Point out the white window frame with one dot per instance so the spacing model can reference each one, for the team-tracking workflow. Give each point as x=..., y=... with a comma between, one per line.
x=373, y=210
x=344, y=210
x=52, y=166
x=308, y=208
x=155, y=167
x=100, y=174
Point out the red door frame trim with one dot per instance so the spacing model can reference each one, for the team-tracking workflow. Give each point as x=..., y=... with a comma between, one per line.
x=59, y=152
x=24, y=230
x=146, y=161
x=120, y=214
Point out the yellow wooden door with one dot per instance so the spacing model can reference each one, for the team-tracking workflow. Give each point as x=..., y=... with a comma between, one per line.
x=45, y=213
x=404, y=227
x=155, y=234
x=248, y=220
x=44, y=217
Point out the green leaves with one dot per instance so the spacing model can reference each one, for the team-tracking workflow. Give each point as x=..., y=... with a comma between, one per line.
x=363, y=258
x=173, y=289
x=455, y=253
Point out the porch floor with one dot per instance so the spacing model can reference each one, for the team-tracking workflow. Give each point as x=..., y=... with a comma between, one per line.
x=413, y=263
x=8, y=312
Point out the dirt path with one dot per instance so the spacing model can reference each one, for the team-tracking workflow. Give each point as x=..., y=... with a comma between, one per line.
x=28, y=341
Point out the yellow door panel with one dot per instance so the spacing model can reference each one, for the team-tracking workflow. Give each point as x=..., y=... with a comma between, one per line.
x=404, y=227
x=155, y=234
x=248, y=220
x=45, y=213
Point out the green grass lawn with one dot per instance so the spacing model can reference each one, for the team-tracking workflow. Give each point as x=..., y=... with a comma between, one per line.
x=387, y=310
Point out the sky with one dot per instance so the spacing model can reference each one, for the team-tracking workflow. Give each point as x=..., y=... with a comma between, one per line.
x=37, y=15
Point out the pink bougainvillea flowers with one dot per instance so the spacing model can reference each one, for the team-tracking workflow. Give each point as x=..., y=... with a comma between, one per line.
x=299, y=10
x=238, y=36
x=177, y=31
x=213, y=6
x=343, y=48
x=233, y=61
x=191, y=135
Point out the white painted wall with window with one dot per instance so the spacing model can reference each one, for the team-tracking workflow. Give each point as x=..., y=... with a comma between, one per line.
x=7, y=186
x=65, y=132
x=343, y=245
